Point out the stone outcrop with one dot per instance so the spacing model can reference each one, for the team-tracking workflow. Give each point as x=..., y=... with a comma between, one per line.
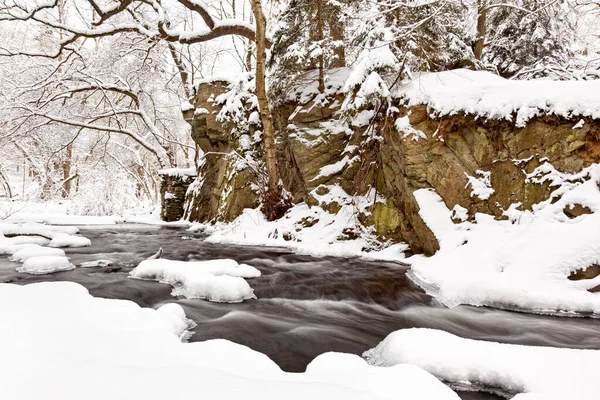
x=318, y=149
x=173, y=189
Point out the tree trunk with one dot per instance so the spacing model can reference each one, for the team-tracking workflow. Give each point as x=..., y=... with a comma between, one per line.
x=273, y=204
x=67, y=170
x=481, y=28
x=320, y=38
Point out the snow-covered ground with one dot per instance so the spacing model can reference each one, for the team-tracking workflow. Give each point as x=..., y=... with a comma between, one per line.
x=507, y=369
x=92, y=348
x=61, y=213
x=311, y=230
x=520, y=263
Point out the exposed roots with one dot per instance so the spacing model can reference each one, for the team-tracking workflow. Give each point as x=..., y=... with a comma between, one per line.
x=275, y=204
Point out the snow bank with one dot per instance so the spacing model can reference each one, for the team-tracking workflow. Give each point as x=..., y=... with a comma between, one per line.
x=45, y=265
x=219, y=281
x=487, y=95
x=397, y=382
x=47, y=231
x=311, y=230
x=51, y=213
x=504, y=368
x=123, y=351
x=521, y=263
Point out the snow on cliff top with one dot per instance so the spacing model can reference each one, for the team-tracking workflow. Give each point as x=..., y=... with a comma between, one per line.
x=479, y=93
x=489, y=96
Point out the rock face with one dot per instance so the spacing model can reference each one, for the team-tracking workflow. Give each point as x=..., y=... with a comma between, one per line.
x=173, y=189
x=225, y=185
x=479, y=165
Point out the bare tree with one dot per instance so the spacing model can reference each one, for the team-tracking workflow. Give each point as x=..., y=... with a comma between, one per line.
x=143, y=22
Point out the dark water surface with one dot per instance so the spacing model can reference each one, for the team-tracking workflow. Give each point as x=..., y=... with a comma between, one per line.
x=306, y=306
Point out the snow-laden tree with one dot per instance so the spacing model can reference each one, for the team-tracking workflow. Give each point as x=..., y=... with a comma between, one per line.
x=528, y=38
x=137, y=28
x=430, y=35
x=310, y=35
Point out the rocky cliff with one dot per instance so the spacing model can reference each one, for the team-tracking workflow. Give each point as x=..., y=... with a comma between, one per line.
x=475, y=164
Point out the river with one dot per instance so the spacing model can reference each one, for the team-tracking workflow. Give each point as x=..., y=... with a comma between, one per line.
x=306, y=306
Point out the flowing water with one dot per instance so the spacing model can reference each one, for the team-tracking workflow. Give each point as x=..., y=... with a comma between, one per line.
x=306, y=306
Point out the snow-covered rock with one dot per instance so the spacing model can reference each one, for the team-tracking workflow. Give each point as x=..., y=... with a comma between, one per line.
x=95, y=264
x=215, y=280
x=506, y=368
x=486, y=95
x=523, y=262
x=64, y=240
x=28, y=252
x=45, y=265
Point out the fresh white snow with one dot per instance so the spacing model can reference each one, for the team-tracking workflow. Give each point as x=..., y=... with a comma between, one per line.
x=310, y=230
x=45, y=265
x=215, y=280
x=95, y=264
x=98, y=349
x=520, y=263
x=489, y=96
x=508, y=369
x=28, y=252
x=64, y=240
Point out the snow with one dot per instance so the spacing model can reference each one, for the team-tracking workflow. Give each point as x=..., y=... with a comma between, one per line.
x=96, y=264
x=178, y=172
x=397, y=382
x=124, y=351
x=403, y=126
x=45, y=265
x=371, y=60
x=305, y=89
x=219, y=281
x=52, y=214
x=489, y=96
x=508, y=369
x=310, y=230
x=64, y=240
x=523, y=262
x=28, y=252
x=28, y=247
x=187, y=106
x=482, y=187
x=336, y=167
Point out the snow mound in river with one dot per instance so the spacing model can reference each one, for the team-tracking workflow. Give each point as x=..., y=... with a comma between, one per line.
x=24, y=242
x=219, y=281
x=97, y=349
x=28, y=252
x=45, y=265
x=506, y=368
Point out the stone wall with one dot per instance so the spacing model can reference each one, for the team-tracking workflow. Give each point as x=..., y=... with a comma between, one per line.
x=173, y=189
x=449, y=151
